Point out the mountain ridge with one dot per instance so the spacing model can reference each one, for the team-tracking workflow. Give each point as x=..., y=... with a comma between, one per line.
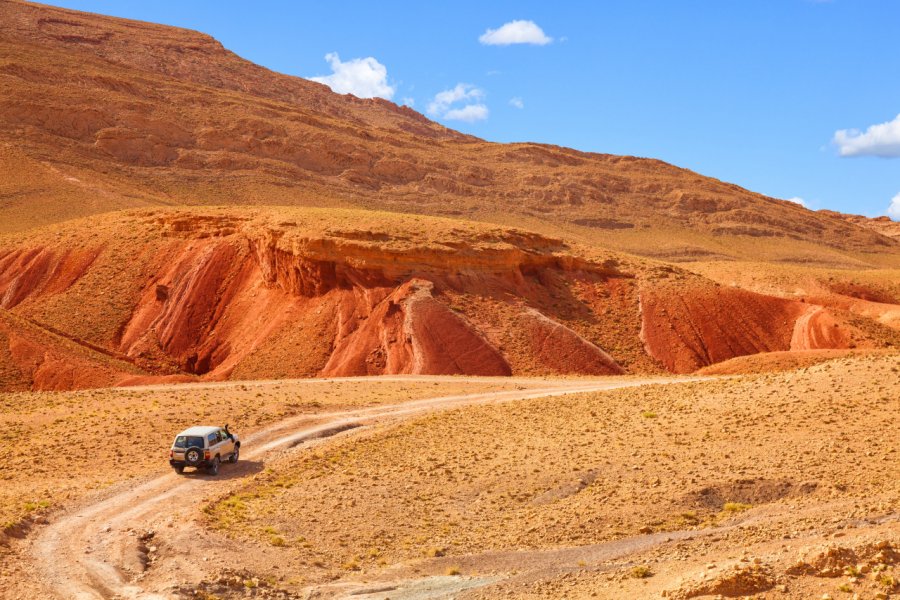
x=124, y=114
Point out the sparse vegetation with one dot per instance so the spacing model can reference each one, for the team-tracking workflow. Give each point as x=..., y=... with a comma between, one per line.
x=735, y=507
x=641, y=572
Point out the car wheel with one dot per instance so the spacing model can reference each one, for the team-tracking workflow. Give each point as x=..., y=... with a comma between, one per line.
x=235, y=454
x=214, y=467
x=179, y=469
x=193, y=456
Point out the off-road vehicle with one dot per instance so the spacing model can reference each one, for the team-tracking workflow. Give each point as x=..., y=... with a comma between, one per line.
x=204, y=447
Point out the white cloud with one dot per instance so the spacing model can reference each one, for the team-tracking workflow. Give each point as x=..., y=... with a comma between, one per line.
x=515, y=32
x=468, y=113
x=409, y=101
x=362, y=77
x=444, y=103
x=799, y=201
x=462, y=92
x=516, y=102
x=893, y=211
x=878, y=140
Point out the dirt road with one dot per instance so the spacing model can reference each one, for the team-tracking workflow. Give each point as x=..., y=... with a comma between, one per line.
x=94, y=551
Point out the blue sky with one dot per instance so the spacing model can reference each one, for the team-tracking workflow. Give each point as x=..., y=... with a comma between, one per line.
x=748, y=91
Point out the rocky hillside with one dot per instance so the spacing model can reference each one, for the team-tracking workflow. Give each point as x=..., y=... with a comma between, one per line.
x=101, y=113
x=241, y=293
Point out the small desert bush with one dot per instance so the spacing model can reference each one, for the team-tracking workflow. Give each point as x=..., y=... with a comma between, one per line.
x=888, y=582
x=735, y=507
x=689, y=518
x=641, y=572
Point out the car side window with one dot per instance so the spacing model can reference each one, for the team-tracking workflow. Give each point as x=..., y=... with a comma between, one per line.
x=212, y=439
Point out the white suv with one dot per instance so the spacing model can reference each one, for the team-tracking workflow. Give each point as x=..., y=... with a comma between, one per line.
x=204, y=447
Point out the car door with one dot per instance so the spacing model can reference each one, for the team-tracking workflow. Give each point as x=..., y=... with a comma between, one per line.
x=227, y=446
x=212, y=441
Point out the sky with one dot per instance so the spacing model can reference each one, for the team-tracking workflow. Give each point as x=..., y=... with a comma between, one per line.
x=796, y=99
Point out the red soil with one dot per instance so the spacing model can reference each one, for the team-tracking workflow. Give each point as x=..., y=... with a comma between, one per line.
x=38, y=271
x=559, y=349
x=818, y=329
x=410, y=332
x=218, y=296
x=228, y=294
x=693, y=324
x=35, y=359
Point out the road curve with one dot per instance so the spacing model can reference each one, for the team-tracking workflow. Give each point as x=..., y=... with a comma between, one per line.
x=81, y=553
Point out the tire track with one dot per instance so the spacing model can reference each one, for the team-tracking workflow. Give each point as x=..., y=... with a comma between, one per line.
x=80, y=555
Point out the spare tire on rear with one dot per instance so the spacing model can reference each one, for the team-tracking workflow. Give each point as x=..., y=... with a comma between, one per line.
x=193, y=456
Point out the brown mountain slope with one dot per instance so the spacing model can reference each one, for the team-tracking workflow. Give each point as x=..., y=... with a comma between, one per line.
x=101, y=113
x=285, y=292
x=883, y=225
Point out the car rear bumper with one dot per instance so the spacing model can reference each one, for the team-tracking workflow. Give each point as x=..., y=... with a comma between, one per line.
x=181, y=463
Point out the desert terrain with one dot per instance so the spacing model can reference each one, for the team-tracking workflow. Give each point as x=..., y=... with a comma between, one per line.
x=460, y=369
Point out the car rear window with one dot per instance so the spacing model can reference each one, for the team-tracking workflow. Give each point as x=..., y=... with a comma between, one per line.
x=186, y=441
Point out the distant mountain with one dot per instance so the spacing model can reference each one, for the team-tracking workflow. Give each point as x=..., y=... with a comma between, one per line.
x=101, y=114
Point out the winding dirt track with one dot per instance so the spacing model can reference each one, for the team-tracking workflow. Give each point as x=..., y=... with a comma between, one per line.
x=86, y=553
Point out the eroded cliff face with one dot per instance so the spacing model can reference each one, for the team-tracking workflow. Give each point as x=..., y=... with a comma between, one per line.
x=692, y=323
x=210, y=294
x=230, y=294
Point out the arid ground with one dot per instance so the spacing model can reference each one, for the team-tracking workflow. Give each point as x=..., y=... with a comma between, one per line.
x=768, y=485
x=460, y=369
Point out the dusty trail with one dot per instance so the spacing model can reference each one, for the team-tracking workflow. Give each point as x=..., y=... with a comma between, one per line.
x=84, y=554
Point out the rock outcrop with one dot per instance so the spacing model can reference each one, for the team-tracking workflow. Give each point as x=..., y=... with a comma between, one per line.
x=226, y=293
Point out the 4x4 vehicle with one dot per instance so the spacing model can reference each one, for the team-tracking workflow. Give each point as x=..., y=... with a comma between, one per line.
x=204, y=447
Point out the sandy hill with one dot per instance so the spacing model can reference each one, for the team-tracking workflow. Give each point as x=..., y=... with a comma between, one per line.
x=101, y=113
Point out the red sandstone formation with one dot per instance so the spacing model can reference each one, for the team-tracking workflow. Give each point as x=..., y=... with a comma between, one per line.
x=693, y=323
x=289, y=292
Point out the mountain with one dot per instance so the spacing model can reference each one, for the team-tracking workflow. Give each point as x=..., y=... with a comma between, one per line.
x=170, y=211
x=102, y=114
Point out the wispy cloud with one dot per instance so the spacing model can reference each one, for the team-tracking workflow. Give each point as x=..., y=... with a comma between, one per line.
x=362, y=77
x=515, y=32
x=798, y=200
x=445, y=104
x=893, y=211
x=882, y=140
x=469, y=113
x=516, y=102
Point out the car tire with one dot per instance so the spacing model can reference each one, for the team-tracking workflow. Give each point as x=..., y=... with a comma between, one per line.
x=234, y=455
x=193, y=456
x=179, y=469
x=214, y=467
